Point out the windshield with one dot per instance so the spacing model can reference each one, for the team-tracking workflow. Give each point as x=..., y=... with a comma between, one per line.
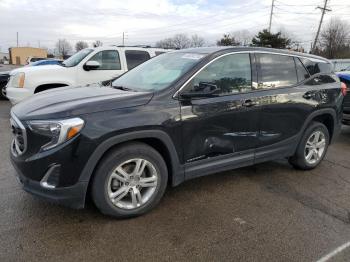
x=76, y=58
x=159, y=72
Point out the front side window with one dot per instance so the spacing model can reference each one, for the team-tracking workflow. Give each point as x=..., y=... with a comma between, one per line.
x=76, y=58
x=276, y=71
x=227, y=75
x=135, y=58
x=108, y=59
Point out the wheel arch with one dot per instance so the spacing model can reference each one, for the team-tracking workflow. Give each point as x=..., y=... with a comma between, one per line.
x=44, y=87
x=326, y=116
x=157, y=139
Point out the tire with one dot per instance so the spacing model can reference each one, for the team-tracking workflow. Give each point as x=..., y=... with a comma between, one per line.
x=107, y=181
x=2, y=96
x=306, y=146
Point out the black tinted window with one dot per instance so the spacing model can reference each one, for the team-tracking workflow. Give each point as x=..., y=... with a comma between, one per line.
x=229, y=74
x=108, y=59
x=301, y=71
x=316, y=67
x=277, y=71
x=159, y=52
x=134, y=58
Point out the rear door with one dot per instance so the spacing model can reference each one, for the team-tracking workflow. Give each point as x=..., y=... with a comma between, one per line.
x=287, y=98
x=135, y=58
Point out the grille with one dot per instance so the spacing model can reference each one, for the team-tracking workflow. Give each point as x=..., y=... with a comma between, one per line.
x=19, y=142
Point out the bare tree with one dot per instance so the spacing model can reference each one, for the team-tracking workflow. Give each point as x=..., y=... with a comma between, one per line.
x=180, y=41
x=197, y=41
x=243, y=37
x=166, y=43
x=63, y=48
x=80, y=45
x=97, y=43
x=334, y=41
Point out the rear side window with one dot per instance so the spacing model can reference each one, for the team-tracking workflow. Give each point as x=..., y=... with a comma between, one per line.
x=317, y=67
x=108, y=59
x=301, y=71
x=135, y=57
x=276, y=71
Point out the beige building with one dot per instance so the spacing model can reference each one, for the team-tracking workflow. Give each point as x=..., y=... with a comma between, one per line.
x=19, y=55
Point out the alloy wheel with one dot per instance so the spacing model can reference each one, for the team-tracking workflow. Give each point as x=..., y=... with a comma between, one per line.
x=132, y=183
x=315, y=147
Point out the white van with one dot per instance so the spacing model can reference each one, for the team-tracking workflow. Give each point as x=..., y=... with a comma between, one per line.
x=88, y=66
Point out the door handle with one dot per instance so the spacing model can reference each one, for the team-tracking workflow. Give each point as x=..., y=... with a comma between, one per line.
x=249, y=103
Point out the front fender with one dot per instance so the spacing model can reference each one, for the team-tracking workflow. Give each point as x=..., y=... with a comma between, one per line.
x=178, y=174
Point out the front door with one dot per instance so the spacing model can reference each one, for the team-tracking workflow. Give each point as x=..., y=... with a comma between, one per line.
x=110, y=67
x=222, y=126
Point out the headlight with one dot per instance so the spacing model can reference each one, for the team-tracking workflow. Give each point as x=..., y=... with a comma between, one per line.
x=18, y=80
x=59, y=131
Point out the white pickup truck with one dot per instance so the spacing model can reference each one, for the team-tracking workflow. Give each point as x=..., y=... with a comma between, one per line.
x=88, y=66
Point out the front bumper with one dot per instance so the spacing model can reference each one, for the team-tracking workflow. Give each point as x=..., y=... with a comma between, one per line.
x=71, y=196
x=16, y=95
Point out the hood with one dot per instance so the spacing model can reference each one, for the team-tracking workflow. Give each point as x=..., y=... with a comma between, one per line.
x=65, y=102
x=43, y=68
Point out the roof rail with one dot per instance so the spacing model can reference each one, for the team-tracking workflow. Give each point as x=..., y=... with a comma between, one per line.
x=142, y=46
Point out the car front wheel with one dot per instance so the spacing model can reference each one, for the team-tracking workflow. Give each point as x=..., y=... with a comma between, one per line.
x=129, y=181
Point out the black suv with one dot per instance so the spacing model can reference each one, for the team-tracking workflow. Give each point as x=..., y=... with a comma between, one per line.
x=178, y=116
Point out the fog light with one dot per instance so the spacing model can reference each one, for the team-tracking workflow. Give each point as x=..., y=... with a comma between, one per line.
x=51, y=178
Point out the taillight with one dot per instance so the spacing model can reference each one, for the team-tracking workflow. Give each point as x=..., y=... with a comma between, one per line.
x=343, y=89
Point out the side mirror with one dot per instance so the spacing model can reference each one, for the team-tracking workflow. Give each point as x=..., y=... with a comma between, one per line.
x=204, y=89
x=91, y=65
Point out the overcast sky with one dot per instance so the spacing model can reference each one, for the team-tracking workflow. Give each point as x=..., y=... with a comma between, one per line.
x=146, y=21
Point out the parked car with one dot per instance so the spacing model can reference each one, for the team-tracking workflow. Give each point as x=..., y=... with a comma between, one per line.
x=345, y=78
x=4, y=77
x=46, y=62
x=175, y=117
x=31, y=59
x=88, y=66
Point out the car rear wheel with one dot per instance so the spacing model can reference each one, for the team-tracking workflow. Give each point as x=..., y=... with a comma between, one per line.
x=312, y=147
x=130, y=181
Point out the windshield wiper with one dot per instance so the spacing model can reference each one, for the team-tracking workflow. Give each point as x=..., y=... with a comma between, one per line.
x=123, y=88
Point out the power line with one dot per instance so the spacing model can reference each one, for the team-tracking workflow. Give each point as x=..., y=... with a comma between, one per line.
x=324, y=9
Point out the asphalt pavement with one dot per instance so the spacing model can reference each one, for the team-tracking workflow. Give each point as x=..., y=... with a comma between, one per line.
x=267, y=212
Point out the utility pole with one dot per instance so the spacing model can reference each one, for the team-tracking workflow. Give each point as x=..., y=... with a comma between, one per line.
x=324, y=9
x=17, y=39
x=272, y=6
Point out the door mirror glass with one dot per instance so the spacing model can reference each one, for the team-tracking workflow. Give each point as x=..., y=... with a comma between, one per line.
x=92, y=65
